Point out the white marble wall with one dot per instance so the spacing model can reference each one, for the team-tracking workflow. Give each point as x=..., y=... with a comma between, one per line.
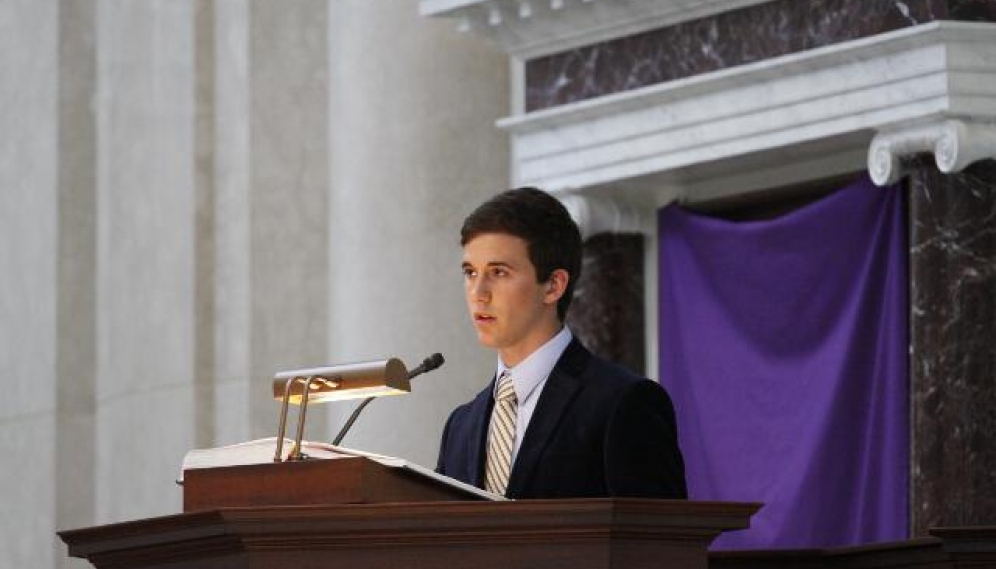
x=413, y=151
x=197, y=193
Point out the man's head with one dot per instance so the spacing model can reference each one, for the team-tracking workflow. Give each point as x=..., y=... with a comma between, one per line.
x=522, y=258
x=552, y=238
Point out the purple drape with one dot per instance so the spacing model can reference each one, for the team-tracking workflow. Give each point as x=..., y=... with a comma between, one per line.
x=784, y=346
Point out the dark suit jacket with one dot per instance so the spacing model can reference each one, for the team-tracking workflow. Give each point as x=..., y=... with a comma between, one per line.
x=597, y=430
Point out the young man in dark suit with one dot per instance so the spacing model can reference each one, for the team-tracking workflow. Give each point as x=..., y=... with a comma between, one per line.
x=556, y=421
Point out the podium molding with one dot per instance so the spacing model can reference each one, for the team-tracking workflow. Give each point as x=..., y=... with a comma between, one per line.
x=603, y=533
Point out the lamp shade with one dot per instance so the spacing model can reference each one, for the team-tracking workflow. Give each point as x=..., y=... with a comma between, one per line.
x=345, y=381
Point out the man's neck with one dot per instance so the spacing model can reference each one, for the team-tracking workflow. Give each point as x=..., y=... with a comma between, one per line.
x=513, y=355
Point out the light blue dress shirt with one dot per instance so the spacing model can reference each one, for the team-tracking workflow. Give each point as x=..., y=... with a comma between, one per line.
x=529, y=377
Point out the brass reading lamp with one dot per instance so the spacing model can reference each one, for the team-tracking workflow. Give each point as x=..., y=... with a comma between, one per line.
x=338, y=383
x=335, y=383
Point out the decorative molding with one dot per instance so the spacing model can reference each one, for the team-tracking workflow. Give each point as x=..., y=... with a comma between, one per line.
x=532, y=28
x=659, y=140
x=955, y=143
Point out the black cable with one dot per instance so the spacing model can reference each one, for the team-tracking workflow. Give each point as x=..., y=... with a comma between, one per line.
x=351, y=420
x=428, y=364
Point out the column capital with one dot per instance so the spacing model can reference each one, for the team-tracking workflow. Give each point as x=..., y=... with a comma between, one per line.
x=602, y=214
x=955, y=143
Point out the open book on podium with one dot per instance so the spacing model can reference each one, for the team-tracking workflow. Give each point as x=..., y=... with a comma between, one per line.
x=246, y=474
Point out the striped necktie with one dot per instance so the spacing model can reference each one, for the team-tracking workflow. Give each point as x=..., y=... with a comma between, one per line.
x=501, y=437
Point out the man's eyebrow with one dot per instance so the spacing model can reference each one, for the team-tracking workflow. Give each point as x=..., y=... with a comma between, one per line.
x=501, y=264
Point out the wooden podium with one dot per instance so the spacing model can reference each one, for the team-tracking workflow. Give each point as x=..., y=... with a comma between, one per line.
x=369, y=523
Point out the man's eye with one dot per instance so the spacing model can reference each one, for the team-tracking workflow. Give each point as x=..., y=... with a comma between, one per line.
x=499, y=272
x=467, y=273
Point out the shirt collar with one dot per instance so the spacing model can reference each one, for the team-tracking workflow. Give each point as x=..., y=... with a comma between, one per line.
x=533, y=371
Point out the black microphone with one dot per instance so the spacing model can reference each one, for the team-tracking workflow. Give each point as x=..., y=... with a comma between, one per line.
x=428, y=364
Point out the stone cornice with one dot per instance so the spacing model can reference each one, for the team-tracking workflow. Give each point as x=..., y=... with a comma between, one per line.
x=834, y=98
x=532, y=28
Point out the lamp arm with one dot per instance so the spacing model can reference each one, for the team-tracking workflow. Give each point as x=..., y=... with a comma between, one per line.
x=278, y=455
x=296, y=454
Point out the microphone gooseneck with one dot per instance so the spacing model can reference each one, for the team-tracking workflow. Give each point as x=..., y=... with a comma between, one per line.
x=428, y=364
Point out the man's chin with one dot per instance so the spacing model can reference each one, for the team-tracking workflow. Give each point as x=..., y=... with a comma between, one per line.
x=486, y=340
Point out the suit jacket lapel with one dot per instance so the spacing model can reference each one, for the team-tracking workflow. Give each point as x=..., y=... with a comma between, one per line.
x=481, y=419
x=563, y=383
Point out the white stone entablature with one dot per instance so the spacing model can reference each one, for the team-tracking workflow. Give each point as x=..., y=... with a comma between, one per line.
x=532, y=28
x=767, y=123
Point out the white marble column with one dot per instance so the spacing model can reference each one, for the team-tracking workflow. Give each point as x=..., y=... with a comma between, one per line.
x=413, y=150
x=28, y=241
x=232, y=323
x=145, y=255
x=288, y=195
x=76, y=269
x=205, y=254
x=197, y=193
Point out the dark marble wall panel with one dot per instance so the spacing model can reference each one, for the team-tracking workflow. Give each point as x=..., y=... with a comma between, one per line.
x=741, y=36
x=607, y=313
x=953, y=336
x=972, y=10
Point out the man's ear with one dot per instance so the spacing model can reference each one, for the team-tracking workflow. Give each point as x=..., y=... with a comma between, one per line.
x=556, y=286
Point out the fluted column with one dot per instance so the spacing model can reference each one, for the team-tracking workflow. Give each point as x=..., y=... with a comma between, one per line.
x=413, y=150
x=76, y=266
x=145, y=254
x=28, y=275
x=287, y=194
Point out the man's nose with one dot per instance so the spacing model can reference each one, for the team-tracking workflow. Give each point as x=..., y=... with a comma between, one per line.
x=479, y=289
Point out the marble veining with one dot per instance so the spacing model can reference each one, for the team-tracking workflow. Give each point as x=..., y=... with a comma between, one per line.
x=734, y=38
x=607, y=311
x=953, y=345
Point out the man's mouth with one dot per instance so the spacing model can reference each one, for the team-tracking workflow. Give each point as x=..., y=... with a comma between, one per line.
x=483, y=318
